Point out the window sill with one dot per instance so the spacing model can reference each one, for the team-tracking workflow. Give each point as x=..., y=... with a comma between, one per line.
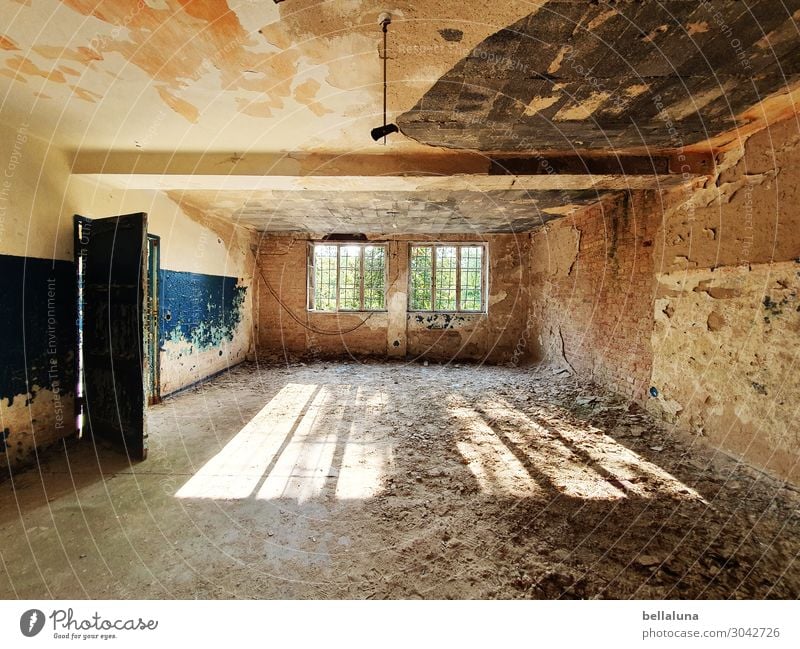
x=447, y=312
x=312, y=312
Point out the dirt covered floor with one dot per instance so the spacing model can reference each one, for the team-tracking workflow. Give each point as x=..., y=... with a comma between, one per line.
x=376, y=480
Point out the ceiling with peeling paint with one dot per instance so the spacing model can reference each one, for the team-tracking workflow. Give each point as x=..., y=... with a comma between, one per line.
x=459, y=203
x=246, y=87
x=206, y=75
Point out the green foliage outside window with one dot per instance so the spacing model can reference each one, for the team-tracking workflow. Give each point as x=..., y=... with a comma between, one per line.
x=421, y=278
x=446, y=278
x=374, y=278
x=338, y=270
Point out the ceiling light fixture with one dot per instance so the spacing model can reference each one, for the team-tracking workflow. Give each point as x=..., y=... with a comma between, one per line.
x=384, y=20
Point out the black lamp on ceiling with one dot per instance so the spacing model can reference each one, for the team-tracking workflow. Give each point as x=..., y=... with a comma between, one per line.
x=382, y=131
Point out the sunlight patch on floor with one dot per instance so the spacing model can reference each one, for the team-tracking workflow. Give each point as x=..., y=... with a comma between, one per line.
x=237, y=470
x=494, y=466
x=584, y=461
x=636, y=475
x=367, y=454
x=307, y=443
x=548, y=457
x=302, y=469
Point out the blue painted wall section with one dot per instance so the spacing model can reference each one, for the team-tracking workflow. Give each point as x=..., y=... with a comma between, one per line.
x=203, y=310
x=37, y=330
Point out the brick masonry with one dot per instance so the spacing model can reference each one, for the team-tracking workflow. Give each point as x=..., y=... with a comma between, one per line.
x=592, y=292
x=492, y=337
x=692, y=291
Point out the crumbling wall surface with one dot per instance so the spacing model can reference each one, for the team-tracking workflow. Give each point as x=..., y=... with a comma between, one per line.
x=592, y=292
x=37, y=358
x=289, y=330
x=746, y=214
x=204, y=320
x=206, y=303
x=205, y=296
x=725, y=347
x=726, y=337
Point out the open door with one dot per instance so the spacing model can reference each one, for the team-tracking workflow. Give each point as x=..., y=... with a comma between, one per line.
x=111, y=257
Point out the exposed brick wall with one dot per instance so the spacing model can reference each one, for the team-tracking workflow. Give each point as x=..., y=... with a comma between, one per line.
x=491, y=337
x=282, y=262
x=592, y=291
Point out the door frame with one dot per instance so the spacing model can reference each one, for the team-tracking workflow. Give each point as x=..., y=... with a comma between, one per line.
x=152, y=315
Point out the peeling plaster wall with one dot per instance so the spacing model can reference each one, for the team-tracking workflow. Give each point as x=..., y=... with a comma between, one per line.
x=725, y=359
x=694, y=292
x=37, y=318
x=204, y=325
x=36, y=309
x=726, y=337
x=38, y=198
x=592, y=292
x=206, y=275
x=496, y=337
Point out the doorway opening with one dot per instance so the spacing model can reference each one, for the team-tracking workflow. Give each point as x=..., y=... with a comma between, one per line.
x=151, y=320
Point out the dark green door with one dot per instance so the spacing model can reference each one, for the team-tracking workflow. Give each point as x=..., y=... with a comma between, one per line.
x=111, y=254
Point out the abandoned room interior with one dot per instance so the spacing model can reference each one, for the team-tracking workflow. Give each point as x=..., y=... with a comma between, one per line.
x=338, y=300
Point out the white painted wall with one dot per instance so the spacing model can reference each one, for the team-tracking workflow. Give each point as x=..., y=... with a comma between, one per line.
x=190, y=243
x=38, y=198
x=35, y=213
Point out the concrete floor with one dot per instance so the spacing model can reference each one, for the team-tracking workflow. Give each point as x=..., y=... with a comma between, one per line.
x=402, y=481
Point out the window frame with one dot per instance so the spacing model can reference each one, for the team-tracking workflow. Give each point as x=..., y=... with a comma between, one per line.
x=311, y=275
x=484, y=275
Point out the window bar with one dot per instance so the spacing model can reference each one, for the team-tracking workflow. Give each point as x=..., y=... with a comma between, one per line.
x=361, y=250
x=411, y=297
x=386, y=277
x=484, y=278
x=433, y=278
x=386, y=257
x=411, y=294
x=311, y=270
x=458, y=277
x=338, y=255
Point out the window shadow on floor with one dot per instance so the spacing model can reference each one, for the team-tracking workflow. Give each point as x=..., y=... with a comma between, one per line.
x=345, y=441
x=359, y=476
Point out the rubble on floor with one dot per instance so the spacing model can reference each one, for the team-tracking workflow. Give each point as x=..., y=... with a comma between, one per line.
x=489, y=482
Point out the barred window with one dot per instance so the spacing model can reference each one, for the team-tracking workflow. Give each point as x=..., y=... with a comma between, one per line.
x=346, y=277
x=447, y=277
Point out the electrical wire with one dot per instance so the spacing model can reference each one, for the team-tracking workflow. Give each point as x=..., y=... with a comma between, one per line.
x=321, y=332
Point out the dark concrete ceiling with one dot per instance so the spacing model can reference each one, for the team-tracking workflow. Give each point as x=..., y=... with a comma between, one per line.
x=400, y=212
x=613, y=75
x=517, y=194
